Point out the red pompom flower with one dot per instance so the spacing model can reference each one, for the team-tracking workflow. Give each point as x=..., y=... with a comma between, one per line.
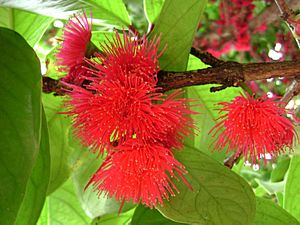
x=253, y=127
x=76, y=37
x=139, y=172
x=124, y=57
x=74, y=48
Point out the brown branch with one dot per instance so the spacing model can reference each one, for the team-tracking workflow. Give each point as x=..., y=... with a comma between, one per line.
x=50, y=85
x=206, y=57
x=229, y=74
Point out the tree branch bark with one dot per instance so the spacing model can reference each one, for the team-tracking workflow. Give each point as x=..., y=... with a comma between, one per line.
x=229, y=74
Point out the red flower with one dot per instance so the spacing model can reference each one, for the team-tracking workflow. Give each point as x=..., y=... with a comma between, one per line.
x=74, y=48
x=76, y=37
x=119, y=103
x=125, y=56
x=112, y=110
x=253, y=127
x=174, y=121
x=122, y=106
x=139, y=172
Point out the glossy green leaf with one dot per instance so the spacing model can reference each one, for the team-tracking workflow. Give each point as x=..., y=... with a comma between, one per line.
x=85, y=165
x=62, y=207
x=115, y=219
x=36, y=189
x=292, y=188
x=20, y=120
x=269, y=213
x=148, y=216
x=31, y=26
x=177, y=24
x=152, y=9
x=219, y=195
x=59, y=127
x=104, y=11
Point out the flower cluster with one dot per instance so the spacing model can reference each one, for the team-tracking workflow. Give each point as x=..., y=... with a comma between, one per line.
x=120, y=111
x=239, y=28
x=253, y=128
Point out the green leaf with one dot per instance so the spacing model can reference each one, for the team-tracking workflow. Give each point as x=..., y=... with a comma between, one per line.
x=30, y=26
x=219, y=195
x=52, y=68
x=111, y=12
x=152, y=9
x=194, y=63
x=63, y=207
x=36, y=189
x=280, y=198
x=60, y=150
x=86, y=164
x=105, y=11
x=210, y=99
x=20, y=120
x=115, y=219
x=292, y=188
x=148, y=216
x=271, y=187
x=177, y=24
x=99, y=37
x=280, y=170
x=268, y=213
